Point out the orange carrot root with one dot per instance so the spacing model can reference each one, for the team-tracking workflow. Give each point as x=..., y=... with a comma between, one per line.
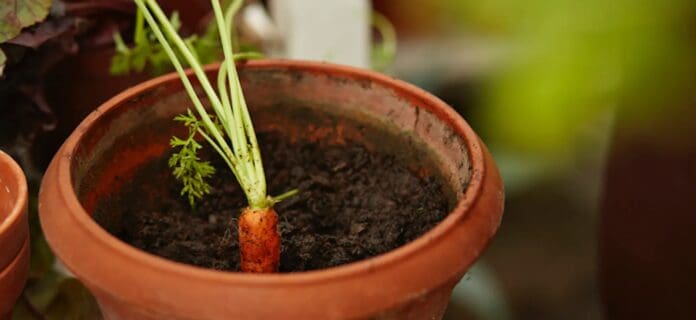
x=259, y=241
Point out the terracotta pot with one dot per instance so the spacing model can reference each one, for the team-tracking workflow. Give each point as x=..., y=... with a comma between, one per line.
x=646, y=230
x=301, y=99
x=14, y=234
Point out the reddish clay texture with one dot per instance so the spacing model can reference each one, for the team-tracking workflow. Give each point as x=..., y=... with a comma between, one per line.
x=14, y=234
x=303, y=100
x=259, y=241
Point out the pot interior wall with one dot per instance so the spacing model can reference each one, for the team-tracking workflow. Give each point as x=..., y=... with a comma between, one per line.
x=330, y=108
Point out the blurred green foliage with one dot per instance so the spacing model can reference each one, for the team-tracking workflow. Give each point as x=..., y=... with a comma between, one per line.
x=571, y=62
x=383, y=52
x=146, y=52
x=18, y=14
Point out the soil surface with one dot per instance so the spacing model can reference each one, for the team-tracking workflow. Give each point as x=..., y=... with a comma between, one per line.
x=353, y=204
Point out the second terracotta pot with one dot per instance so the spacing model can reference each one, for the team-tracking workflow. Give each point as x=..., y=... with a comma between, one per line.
x=14, y=234
x=301, y=100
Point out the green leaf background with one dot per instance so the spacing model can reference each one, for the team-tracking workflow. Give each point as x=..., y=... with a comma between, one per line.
x=15, y=15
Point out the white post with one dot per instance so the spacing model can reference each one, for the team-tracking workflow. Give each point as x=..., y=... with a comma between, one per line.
x=326, y=30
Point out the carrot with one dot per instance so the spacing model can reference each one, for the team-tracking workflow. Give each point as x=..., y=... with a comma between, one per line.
x=229, y=130
x=259, y=241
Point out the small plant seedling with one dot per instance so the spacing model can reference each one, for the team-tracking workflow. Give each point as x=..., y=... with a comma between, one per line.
x=147, y=53
x=230, y=132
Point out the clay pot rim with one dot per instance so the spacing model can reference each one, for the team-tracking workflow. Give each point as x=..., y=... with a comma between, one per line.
x=15, y=215
x=116, y=246
x=14, y=264
x=13, y=278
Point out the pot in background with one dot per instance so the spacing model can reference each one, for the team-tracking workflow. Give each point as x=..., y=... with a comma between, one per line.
x=645, y=252
x=302, y=100
x=14, y=234
x=80, y=82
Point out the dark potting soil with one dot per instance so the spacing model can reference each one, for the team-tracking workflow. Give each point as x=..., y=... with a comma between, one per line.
x=353, y=204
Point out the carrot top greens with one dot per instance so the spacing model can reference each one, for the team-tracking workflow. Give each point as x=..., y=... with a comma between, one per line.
x=229, y=129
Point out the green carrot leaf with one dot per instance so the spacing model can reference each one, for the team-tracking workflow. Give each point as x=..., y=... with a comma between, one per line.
x=187, y=166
